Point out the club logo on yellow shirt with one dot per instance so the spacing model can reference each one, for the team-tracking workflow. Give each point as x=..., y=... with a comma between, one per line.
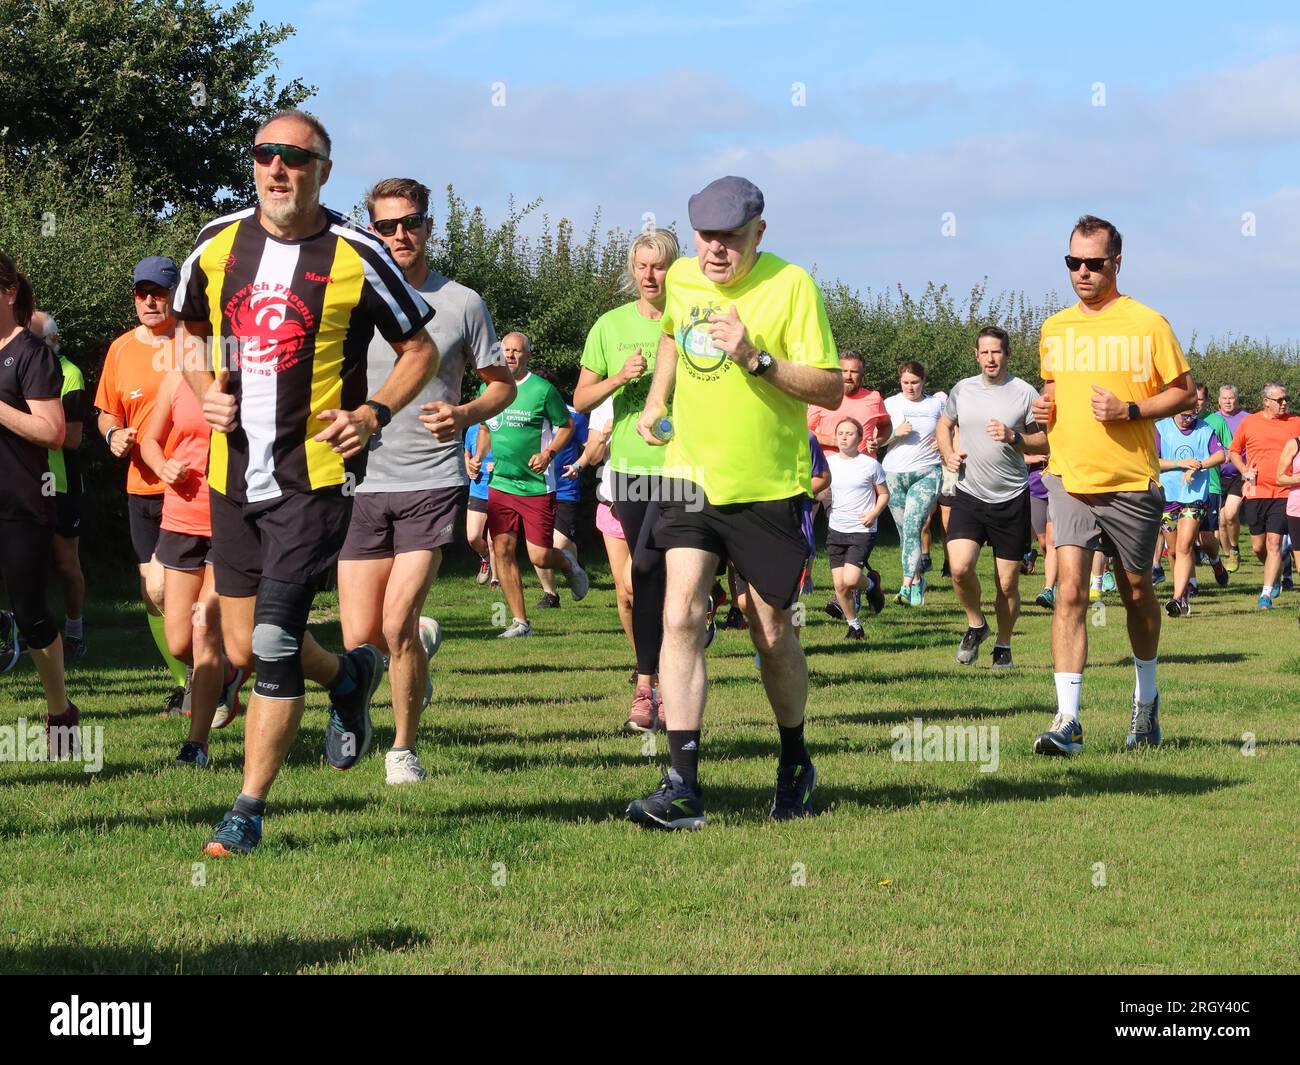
x=703, y=358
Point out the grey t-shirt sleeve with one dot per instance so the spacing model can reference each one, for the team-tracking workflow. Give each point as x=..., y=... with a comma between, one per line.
x=950, y=408
x=481, y=335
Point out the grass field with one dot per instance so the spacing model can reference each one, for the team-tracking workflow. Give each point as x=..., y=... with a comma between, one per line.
x=514, y=855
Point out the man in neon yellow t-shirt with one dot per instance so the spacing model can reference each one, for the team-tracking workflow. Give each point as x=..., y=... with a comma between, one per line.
x=1112, y=368
x=746, y=347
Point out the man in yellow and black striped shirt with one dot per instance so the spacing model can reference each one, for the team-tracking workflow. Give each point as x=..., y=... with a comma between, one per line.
x=290, y=295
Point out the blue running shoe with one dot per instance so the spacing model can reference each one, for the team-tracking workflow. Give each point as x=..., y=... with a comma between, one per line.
x=1047, y=598
x=904, y=596
x=918, y=592
x=1108, y=581
x=1275, y=591
x=672, y=806
x=1064, y=738
x=1265, y=603
x=1144, y=728
x=236, y=834
x=347, y=736
x=1158, y=575
x=794, y=788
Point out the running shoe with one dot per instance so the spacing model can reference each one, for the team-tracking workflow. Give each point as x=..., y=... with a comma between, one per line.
x=806, y=584
x=519, y=628
x=1064, y=738
x=175, y=704
x=1046, y=598
x=8, y=642
x=229, y=707
x=834, y=609
x=794, y=788
x=642, y=715
x=63, y=734
x=1094, y=594
x=672, y=805
x=926, y=564
x=236, y=834
x=1288, y=585
x=1157, y=575
x=484, y=571
x=1108, y=582
x=403, y=767
x=876, y=594
x=1030, y=562
x=347, y=736
x=1002, y=658
x=1265, y=602
x=1233, y=562
x=577, y=580
x=431, y=640
x=193, y=754
x=970, y=643
x=918, y=592
x=494, y=584
x=1221, y=577
x=1174, y=608
x=904, y=596
x=735, y=618
x=1193, y=589
x=1144, y=728
x=1275, y=591
x=854, y=632
x=74, y=648
x=548, y=601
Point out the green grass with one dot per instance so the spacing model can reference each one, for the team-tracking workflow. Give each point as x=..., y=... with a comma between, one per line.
x=910, y=866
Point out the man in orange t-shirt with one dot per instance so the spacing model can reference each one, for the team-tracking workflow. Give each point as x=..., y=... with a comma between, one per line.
x=1260, y=439
x=1111, y=367
x=128, y=385
x=866, y=405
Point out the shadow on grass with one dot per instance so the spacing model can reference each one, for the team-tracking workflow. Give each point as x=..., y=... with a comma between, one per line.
x=753, y=803
x=279, y=955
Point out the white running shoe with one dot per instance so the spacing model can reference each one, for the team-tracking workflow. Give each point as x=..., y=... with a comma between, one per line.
x=431, y=638
x=519, y=628
x=403, y=767
x=578, y=581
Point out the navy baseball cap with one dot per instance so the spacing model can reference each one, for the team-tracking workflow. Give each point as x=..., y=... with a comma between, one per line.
x=725, y=204
x=157, y=270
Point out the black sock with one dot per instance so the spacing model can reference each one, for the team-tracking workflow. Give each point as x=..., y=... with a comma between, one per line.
x=247, y=806
x=684, y=747
x=346, y=680
x=793, y=752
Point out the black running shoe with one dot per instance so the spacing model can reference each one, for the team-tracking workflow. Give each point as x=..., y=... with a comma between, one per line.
x=1002, y=658
x=854, y=632
x=236, y=834
x=970, y=644
x=672, y=806
x=834, y=609
x=175, y=704
x=548, y=601
x=794, y=788
x=347, y=736
x=8, y=642
x=875, y=597
x=735, y=619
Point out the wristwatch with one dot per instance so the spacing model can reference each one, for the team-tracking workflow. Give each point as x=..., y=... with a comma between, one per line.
x=1017, y=440
x=764, y=364
x=382, y=413
x=1134, y=412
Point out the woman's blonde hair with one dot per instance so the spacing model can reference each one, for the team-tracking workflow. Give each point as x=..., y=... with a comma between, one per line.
x=662, y=242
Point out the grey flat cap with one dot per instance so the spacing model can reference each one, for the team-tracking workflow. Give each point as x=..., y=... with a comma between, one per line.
x=725, y=204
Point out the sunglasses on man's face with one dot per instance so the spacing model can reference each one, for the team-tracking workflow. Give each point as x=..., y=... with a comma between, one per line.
x=1280, y=399
x=386, y=227
x=1073, y=262
x=263, y=154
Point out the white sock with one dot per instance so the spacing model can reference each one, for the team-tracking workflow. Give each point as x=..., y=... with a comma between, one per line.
x=1096, y=583
x=1145, y=690
x=855, y=623
x=1267, y=590
x=1068, y=687
x=72, y=628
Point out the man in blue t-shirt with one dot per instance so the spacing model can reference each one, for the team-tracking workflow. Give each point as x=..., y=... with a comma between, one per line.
x=568, y=494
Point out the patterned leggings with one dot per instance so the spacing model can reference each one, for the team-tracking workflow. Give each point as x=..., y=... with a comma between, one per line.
x=911, y=499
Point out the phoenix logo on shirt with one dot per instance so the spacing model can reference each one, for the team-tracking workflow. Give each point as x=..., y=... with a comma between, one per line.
x=702, y=356
x=271, y=324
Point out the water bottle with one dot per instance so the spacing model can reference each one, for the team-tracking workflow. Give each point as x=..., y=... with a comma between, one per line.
x=662, y=429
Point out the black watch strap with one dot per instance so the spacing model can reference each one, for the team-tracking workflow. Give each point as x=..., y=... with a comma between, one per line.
x=1134, y=412
x=764, y=364
x=382, y=413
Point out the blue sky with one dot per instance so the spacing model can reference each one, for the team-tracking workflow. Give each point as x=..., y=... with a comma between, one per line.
x=988, y=114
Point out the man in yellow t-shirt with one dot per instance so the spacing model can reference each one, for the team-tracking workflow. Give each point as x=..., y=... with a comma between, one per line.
x=1112, y=368
x=745, y=347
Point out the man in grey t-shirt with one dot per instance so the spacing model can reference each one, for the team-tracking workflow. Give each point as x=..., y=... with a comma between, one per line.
x=404, y=511
x=991, y=498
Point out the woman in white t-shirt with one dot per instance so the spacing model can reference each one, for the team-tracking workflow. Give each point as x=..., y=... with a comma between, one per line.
x=913, y=467
x=858, y=497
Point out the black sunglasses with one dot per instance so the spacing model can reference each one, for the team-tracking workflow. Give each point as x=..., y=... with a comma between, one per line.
x=386, y=227
x=1073, y=262
x=290, y=153
x=1280, y=399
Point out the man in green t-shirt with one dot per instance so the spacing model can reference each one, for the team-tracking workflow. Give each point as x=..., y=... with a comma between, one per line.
x=746, y=347
x=65, y=466
x=1209, y=535
x=524, y=439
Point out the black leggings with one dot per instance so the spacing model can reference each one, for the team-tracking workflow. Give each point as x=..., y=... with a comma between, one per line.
x=638, y=513
x=25, y=551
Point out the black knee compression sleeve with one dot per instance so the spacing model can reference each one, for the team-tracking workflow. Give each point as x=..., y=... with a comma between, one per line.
x=279, y=625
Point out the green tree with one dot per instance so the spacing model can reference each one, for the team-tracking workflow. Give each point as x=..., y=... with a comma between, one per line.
x=169, y=92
